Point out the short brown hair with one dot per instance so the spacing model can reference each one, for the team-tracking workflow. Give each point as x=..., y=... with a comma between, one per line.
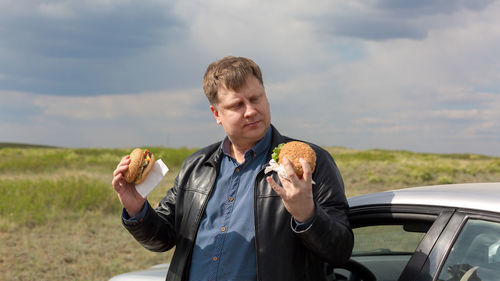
x=230, y=72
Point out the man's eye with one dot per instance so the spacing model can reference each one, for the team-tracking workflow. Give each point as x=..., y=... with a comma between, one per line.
x=237, y=105
x=255, y=99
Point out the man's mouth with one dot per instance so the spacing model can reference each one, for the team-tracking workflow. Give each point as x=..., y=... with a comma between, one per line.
x=252, y=123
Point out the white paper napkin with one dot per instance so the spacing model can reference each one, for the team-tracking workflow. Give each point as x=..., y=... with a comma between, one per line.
x=153, y=179
x=274, y=166
x=278, y=168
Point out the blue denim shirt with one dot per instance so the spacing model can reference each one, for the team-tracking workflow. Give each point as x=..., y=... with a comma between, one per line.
x=225, y=244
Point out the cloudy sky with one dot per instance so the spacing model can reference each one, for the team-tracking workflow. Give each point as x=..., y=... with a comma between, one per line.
x=416, y=75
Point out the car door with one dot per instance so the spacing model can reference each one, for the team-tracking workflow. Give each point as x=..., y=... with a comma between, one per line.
x=468, y=249
x=392, y=243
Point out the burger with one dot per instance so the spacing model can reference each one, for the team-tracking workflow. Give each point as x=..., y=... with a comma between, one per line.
x=293, y=151
x=141, y=163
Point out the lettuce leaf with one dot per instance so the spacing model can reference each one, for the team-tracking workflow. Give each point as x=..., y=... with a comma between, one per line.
x=276, y=152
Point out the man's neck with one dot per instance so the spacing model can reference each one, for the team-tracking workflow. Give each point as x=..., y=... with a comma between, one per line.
x=238, y=152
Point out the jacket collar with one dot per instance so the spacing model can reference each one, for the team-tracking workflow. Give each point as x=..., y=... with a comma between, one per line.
x=277, y=138
x=216, y=156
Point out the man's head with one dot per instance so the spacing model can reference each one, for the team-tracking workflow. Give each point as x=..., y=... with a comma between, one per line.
x=238, y=100
x=229, y=72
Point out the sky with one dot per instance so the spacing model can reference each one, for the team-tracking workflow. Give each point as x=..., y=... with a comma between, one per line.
x=416, y=75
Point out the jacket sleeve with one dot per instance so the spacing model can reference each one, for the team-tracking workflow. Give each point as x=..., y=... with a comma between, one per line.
x=156, y=231
x=329, y=236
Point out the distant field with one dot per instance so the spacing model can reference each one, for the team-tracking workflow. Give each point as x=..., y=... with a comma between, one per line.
x=367, y=171
x=60, y=218
x=23, y=145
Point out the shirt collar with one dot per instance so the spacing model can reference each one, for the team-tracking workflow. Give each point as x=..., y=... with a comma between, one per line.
x=261, y=147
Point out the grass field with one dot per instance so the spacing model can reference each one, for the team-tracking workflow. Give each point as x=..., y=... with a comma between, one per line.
x=60, y=218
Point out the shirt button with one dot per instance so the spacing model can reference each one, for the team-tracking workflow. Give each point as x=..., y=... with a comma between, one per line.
x=230, y=199
x=223, y=229
x=214, y=258
x=237, y=170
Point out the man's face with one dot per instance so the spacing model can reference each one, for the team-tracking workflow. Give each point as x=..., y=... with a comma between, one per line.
x=245, y=114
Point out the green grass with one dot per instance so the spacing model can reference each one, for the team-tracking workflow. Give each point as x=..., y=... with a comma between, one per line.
x=41, y=184
x=49, y=160
x=35, y=201
x=60, y=217
x=376, y=170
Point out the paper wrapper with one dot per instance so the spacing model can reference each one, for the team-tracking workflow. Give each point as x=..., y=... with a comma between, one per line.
x=278, y=168
x=153, y=179
x=274, y=166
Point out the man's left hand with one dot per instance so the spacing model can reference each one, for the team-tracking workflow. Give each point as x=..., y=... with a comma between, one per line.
x=296, y=192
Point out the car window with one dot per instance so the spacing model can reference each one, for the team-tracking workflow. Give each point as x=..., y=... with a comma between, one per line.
x=475, y=254
x=386, y=249
x=385, y=240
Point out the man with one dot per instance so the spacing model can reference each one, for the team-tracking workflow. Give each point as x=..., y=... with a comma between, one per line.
x=226, y=218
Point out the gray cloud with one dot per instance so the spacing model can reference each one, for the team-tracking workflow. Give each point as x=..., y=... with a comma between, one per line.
x=80, y=30
x=430, y=7
x=77, y=48
x=377, y=29
x=392, y=19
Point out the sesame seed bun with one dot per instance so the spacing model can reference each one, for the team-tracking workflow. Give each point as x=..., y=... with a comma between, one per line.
x=295, y=150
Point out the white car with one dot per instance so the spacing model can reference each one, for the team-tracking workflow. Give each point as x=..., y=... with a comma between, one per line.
x=442, y=232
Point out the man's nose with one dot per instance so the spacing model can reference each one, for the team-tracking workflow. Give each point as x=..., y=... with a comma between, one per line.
x=250, y=110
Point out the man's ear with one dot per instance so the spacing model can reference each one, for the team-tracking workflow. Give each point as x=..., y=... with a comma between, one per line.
x=215, y=112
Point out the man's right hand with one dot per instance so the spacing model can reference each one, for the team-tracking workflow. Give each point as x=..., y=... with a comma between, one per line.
x=131, y=200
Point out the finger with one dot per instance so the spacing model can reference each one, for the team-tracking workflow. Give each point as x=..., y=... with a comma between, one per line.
x=307, y=175
x=124, y=161
x=279, y=189
x=122, y=167
x=120, y=170
x=290, y=172
x=118, y=182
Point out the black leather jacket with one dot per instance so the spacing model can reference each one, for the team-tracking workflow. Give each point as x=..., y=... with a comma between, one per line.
x=282, y=253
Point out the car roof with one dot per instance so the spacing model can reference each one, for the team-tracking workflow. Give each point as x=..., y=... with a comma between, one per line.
x=478, y=196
